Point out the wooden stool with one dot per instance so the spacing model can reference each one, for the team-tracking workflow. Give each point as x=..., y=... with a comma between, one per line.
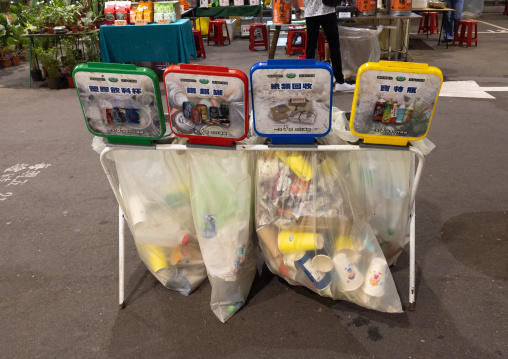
x=465, y=28
x=429, y=23
x=292, y=37
x=252, y=36
x=198, y=41
x=216, y=27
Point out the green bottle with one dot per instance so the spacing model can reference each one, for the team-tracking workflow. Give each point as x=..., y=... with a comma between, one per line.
x=387, y=112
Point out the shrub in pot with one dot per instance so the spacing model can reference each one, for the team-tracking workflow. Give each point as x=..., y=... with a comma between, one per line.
x=72, y=58
x=51, y=64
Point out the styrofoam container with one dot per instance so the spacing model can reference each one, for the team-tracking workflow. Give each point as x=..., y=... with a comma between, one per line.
x=231, y=28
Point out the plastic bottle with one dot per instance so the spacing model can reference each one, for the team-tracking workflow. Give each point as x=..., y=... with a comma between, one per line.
x=387, y=113
x=400, y=114
x=378, y=109
x=395, y=108
x=409, y=112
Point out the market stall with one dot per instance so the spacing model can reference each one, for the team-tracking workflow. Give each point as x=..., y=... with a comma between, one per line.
x=152, y=42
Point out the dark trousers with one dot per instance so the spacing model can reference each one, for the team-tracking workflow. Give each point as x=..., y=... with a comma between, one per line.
x=329, y=24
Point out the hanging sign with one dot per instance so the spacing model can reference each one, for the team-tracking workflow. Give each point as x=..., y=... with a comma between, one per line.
x=291, y=100
x=394, y=101
x=120, y=102
x=207, y=104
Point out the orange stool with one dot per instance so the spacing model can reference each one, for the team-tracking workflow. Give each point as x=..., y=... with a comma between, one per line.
x=198, y=41
x=253, y=31
x=321, y=45
x=215, y=32
x=465, y=28
x=292, y=37
x=429, y=23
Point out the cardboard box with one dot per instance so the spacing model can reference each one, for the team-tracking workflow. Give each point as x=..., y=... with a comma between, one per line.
x=245, y=31
x=176, y=5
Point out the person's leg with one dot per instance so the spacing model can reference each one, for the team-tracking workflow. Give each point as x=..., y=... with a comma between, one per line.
x=329, y=24
x=457, y=15
x=312, y=24
x=447, y=22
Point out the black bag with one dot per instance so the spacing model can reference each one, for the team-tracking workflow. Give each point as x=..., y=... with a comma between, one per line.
x=333, y=3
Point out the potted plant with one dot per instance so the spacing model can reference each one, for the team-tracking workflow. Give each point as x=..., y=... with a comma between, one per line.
x=35, y=70
x=91, y=44
x=51, y=64
x=14, y=43
x=5, y=57
x=72, y=58
x=72, y=14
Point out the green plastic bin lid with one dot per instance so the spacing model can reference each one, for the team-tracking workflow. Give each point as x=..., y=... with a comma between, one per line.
x=120, y=102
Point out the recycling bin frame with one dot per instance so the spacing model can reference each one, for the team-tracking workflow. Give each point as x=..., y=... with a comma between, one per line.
x=415, y=176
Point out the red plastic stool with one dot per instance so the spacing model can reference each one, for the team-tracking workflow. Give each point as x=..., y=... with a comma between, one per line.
x=292, y=37
x=215, y=32
x=253, y=33
x=321, y=45
x=198, y=40
x=465, y=28
x=429, y=23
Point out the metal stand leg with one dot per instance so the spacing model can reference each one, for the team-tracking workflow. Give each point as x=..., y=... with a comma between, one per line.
x=412, y=241
x=121, y=258
x=30, y=62
x=389, y=39
x=412, y=261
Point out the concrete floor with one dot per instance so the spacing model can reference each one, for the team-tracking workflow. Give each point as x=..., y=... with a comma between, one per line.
x=59, y=254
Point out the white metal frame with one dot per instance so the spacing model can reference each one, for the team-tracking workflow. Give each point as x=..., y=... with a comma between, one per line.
x=414, y=182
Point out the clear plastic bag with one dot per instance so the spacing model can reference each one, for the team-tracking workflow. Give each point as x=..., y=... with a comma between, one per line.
x=312, y=231
x=221, y=186
x=358, y=46
x=154, y=187
x=380, y=180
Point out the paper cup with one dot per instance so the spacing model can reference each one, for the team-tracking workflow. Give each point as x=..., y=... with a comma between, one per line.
x=321, y=280
x=374, y=284
x=290, y=242
x=137, y=211
x=154, y=256
x=350, y=276
x=289, y=262
x=322, y=263
x=268, y=235
x=344, y=242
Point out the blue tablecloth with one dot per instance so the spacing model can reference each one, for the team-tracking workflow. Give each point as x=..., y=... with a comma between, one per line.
x=152, y=43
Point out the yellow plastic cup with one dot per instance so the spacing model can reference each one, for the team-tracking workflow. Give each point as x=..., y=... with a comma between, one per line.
x=290, y=242
x=297, y=163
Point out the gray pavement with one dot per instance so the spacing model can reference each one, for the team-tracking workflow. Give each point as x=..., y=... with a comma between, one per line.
x=59, y=235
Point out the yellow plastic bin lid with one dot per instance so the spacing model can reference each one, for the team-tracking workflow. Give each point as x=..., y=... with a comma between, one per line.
x=394, y=101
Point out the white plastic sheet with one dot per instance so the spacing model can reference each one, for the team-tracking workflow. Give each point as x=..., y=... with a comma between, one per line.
x=380, y=180
x=358, y=46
